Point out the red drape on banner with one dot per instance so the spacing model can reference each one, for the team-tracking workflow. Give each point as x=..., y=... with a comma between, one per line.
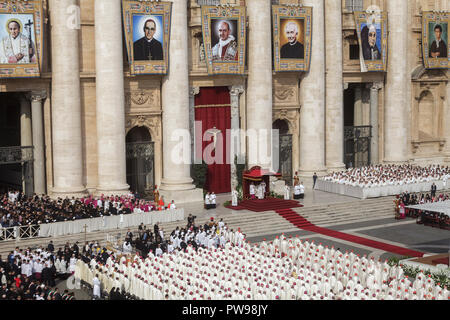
x=214, y=111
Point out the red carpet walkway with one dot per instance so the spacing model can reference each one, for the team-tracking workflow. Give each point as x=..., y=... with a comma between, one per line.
x=301, y=223
x=270, y=204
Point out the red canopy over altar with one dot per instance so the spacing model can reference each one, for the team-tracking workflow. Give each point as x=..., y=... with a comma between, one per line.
x=256, y=175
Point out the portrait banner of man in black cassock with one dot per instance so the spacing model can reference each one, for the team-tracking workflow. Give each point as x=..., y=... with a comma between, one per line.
x=149, y=46
x=435, y=37
x=147, y=34
x=292, y=34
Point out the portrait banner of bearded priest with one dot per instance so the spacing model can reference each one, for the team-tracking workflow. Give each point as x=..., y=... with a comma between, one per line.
x=224, y=39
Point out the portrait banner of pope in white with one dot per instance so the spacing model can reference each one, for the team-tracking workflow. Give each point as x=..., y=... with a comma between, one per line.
x=224, y=37
x=20, y=39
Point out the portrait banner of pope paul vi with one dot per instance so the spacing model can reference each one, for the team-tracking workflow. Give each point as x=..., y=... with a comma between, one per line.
x=20, y=39
x=435, y=47
x=292, y=33
x=147, y=36
x=371, y=29
x=224, y=35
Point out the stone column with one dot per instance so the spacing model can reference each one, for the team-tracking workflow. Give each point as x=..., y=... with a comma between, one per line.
x=110, y=97
x=235, y=92
x=193, y=91
x=259, y=83
x=376, y=86
x=26, y=140
x=357, y=109
x=37, y=99
x=176, y=183
x=66, y=104
x=334, y=88
x=312, y=92
x=397, y=77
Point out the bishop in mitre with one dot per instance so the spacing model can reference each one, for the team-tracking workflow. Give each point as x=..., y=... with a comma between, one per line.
x=15, y=48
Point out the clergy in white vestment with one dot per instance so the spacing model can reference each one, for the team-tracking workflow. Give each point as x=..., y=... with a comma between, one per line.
x=297, y=194
x=213, y=197
x=234, y=198
x=287, y=193
x=15, y=48
x=263, y=189
x=207, y=201
x=96, y=287
x=252, y=190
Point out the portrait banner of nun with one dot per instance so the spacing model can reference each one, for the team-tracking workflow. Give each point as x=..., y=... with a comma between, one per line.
x=224, y=38
x=147, y=36
x=372, y=37
x=21, y=39
x=292, y=33
x=435, y=47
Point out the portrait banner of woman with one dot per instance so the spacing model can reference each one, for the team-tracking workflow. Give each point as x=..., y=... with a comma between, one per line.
x=147, y=36
x=435, y=37
x=292, y=32
x=372, y=37
x=21, y=39
x=224, y=35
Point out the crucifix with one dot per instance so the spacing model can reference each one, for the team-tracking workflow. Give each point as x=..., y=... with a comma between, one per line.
x=28, y=27
x=214, y=132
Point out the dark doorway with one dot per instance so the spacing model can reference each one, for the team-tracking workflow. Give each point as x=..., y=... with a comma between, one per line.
x=285, y=150
x=16, y=163
x=140, y=161
x=357, y=136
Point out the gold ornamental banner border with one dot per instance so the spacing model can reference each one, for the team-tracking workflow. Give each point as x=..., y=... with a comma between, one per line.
x=133, y=8
x=281, y=12
x=226, y=13
x=15, y=9
x=434, y=18
x=362, y=18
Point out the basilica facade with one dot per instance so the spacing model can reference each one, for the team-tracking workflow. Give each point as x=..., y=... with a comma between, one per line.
x=97, y=127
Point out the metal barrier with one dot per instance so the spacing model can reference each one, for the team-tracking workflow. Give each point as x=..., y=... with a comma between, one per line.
x=19, y=232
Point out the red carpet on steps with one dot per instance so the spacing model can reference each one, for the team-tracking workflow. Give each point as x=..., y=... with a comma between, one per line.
x=300, y=222
x=270, y=204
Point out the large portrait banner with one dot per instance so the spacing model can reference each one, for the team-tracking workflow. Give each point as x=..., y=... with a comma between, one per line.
x=21, y=39
x=147, y=36
x=373, y=40
x=224, y=36
x=435, y=48
x=292, y=33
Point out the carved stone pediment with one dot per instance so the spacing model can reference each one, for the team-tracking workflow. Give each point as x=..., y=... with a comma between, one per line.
x=422, y=74
x=152, y=122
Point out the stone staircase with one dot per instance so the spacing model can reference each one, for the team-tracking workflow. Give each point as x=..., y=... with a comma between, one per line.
x=253, y=224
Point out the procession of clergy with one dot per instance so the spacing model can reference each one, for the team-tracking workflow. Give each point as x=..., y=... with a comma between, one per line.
x=285, y=269
x=389, y=175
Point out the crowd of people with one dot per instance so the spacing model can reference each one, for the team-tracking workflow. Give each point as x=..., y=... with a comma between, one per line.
x=284, y=269
x=31, y=274
x=16, y=209
x=389, y=175
x=435, y=219
x=209, y=235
